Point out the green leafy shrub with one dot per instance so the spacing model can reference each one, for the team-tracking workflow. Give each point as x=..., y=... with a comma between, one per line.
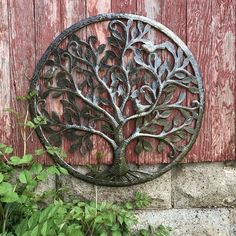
x=25, y=212
x=18, y=198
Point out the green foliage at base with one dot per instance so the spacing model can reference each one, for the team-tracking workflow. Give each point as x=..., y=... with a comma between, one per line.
x=24, y=212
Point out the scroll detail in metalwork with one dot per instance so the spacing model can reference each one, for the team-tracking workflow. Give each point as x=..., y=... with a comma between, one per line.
x=94, y=85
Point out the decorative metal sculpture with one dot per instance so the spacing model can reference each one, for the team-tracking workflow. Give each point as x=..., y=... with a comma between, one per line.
x=95, y=83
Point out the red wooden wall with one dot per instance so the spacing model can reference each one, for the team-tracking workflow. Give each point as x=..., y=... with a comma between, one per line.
x=207, y=27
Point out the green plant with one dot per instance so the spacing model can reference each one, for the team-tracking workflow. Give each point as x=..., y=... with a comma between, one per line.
x=79, y=218
x=160, y=231
x=17, y=196
x=25, y=212
x=139, y=201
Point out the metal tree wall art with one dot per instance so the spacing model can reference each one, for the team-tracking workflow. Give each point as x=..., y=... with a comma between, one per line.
x=141, y=74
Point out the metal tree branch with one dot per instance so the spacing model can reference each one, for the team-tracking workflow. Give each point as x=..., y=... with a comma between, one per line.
x=101, y=82
x=92, y=131
x=87, y=101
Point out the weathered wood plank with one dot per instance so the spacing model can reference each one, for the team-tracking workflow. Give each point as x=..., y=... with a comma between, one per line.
x=174, y=16
x=124, y=6
x=199, y=40
x=47, y=24
x=5, y=87
x=72, y=12
x=222, y=93
x=47, y=27
x=22, y=57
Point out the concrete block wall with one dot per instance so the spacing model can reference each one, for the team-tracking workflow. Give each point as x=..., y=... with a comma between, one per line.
x=194, y=199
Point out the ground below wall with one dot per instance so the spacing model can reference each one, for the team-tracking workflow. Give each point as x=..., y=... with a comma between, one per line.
x=193, y=199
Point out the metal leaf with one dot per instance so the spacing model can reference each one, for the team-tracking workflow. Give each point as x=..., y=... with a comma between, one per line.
x=55, y=117
x=164, y=67
x=195, y=114
x=55, y=139
x=160, y=147
x=170, y=47
x=74, y=147
x=67, y=117
x=185, y=63
x=120, y=90
x=170, y=88
x=167, y=126
x=129, y=23
x=107, y=129
x=72, y=136
x=186, y=80
x=168, y=98
x=135, y=94
x=194, y=80
x=89, y=143
x=88, y=55
x=180, y=75
x=57, y=94
x=113, y=41
x=74, y=37
x=189, y=130
x=165, y=114
x=147, y=146
x=146, y=29
x=161, y=122
x=180, y=54
x=109, y=55
x=176, y=121
x=62, y=82
x=138, y=57
x=193, y=90
x=185, y=113
x=182, y=134
x=101, y=48
x=139, y=147
x=148, y=98
x=157, y=62
x=181, y=97
x=176, y=139
x=83, y=150
x=140, y=26
x=134, y=33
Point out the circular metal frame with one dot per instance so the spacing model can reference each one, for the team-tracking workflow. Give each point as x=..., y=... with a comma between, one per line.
x=109, y=17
